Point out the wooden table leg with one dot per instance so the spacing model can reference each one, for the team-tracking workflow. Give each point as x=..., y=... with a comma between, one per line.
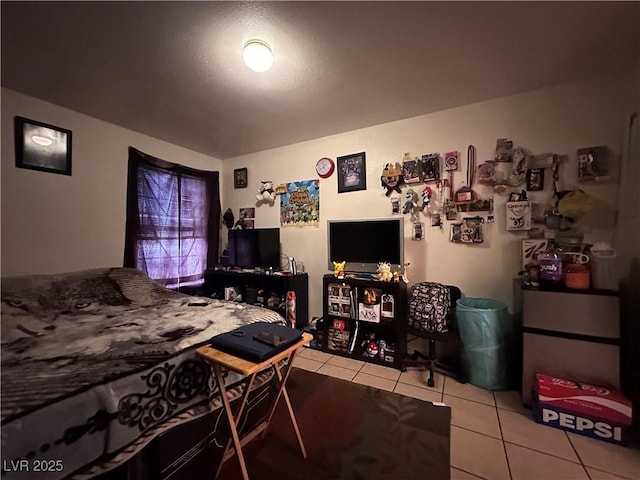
x=233, y=421
x=282, y=390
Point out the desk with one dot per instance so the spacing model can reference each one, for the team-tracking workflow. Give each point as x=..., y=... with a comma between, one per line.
x=281, y=364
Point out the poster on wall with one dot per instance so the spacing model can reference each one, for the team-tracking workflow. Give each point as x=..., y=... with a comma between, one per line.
x=247, y=217
x=300, y=205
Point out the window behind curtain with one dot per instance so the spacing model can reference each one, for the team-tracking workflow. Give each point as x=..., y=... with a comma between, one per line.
x=172, y=220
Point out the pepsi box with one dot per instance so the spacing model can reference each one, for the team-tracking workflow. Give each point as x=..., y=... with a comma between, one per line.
x=590, y=410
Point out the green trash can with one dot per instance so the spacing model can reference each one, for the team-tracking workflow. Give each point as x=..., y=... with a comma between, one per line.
x=485, y=331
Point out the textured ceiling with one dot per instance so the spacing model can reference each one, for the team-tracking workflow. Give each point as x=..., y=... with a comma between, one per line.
x=174, y=71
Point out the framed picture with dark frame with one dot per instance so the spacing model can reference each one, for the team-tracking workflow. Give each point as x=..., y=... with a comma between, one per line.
x=40, y=146
x=240, y=178
x=352, y=173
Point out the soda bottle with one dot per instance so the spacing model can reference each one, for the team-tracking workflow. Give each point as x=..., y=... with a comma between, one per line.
x=291, y=308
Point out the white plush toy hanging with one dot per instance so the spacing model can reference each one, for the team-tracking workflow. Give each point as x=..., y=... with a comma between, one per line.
x=266, y=192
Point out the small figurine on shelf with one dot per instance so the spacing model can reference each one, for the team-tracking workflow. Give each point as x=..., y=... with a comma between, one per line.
x=382, y=346
x=372, y=348
x=405, y=275
x=384, y=272
x=338, y=269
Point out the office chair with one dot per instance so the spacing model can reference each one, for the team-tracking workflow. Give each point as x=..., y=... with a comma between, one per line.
x=421, y=329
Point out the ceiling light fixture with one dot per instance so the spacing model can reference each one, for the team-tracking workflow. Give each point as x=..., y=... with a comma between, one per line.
x=257, y=55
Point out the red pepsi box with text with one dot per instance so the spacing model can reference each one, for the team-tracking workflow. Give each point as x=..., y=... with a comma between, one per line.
x=594, y=411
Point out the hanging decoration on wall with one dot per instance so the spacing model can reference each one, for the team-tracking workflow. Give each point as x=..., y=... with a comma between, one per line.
x=431, y=168
x=228, y=219
x=504, y=150
x=519, y=168
x=490, y=218
x=266, y=193
x=593, y=164
x=392, y=178
x=487, y=173
x=411, y=204
x=300, y=205
x=451, y=161
x=518, y=215
x=411, y=171
x=535, y=179
x=246, y=218
x=418, y=231
x=426, y=198
x=468, y=231
x=352, y=173
x=465, y=194
x=240, y=178
x=450, y=210
x=325, y=167
x=40, y=146
x=395, y=205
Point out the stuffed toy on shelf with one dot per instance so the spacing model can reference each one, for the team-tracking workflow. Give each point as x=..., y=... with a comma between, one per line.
x=338, y=269
x=384, y=272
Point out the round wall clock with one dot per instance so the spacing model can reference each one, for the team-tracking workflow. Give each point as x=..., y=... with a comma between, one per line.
x=325, y=167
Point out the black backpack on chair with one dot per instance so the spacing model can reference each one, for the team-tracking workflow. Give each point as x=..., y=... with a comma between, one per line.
x=429, y=307
x=432, y=317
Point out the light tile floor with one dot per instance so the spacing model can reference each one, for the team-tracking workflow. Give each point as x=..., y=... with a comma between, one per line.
x=492, y=434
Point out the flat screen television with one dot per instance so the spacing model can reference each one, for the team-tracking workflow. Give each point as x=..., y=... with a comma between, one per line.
x=255, y=247
x=364, y=243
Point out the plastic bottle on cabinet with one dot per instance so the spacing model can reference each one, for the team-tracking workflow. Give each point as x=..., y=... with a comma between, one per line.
x=550, y=268
x=291, y=308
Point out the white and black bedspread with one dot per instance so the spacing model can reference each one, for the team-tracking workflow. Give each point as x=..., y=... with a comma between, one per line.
x=93, y=360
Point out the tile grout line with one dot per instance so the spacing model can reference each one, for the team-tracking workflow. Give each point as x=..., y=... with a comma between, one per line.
x=504, y=444
x=584, y=467
x=550, y=455
x=465, y=471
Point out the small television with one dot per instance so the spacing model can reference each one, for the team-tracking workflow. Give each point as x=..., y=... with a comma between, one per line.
x=255, y=248
x=365, y=243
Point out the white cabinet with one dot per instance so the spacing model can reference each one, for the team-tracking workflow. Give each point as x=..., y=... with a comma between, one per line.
x=573, y=335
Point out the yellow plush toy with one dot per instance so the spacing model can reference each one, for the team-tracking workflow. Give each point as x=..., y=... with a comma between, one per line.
x=384, y=272
x=338, y=269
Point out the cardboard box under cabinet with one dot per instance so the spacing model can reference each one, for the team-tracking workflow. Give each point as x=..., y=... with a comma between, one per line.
x=590, y=410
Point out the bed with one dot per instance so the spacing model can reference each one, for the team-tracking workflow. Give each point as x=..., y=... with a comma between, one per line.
x=97, y=363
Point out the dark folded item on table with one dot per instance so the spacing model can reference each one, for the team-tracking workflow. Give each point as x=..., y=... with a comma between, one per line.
x=256, y=342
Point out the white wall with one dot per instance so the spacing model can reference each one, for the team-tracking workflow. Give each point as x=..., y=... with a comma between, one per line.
x=558, y=119
x=55, y=223
x=628, y=221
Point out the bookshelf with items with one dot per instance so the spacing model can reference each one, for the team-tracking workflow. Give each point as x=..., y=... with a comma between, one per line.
x=364, y=319
x=266, y=290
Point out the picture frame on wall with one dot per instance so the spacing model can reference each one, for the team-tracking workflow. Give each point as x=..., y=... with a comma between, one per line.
x=240, y=178
x=43, y=147
x=352, y=174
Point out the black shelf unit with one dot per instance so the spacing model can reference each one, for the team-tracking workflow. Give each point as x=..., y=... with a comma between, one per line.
x=344, y=305
x=249, y=284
